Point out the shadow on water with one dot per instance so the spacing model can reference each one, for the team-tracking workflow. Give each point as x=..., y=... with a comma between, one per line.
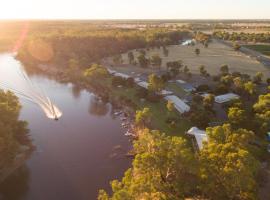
x=97, y=107
x=76, y=92
x=16, y=186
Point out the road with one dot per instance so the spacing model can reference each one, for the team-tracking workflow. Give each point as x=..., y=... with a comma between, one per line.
x=253, y=54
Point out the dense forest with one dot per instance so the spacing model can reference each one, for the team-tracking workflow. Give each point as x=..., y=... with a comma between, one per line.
x=87, y=43
x=13, y=132
x=245, y=37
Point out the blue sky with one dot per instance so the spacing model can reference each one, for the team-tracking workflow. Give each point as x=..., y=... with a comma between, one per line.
x=135, y=9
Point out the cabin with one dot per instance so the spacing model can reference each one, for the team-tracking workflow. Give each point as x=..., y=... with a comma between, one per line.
x=179, y=104
x=187, y=87
x=226, y=98
x=199, y=136
x=125, y=76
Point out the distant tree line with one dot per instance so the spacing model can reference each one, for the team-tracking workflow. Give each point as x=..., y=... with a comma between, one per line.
x=87, y=47
x=245, y=37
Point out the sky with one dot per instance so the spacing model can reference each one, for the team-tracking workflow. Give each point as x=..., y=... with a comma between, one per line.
x=134, y=9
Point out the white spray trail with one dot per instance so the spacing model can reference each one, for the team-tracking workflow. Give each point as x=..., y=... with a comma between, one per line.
x=34, y=94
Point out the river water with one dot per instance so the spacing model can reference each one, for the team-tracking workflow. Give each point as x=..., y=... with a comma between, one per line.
x=75, y=156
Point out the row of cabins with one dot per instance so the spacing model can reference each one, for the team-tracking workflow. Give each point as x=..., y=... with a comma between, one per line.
x=199, y=136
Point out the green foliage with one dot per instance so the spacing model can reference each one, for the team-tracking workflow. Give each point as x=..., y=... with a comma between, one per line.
x=143, y=61
x=170, y=106
x=250, y=88
x=208, y=102
x=93, y=43
x=258, y=78
x=224, y=69
x=156, y=60
x=174, y=67
x=262, y=113
x=197, y=51
x=143, y=117
x=117, y=59
x=237, y=117
x=203, y=71
x=131, y=58
x=228, y=169
x=236, y=46
x=164, y=168
x=95, y=72
x=13, y=132
x=156, y=84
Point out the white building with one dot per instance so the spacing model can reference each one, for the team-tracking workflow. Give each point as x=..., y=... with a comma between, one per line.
x=199, y=135
x=122, y=75
x=143, y=84
x=226, y=97
x=166, y=92
x=111, y=71
x=179, y=104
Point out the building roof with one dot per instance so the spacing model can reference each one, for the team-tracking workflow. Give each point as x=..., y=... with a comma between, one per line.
x=186, y=86
x=179, y=104
x=166, y=92
x=180, y=81
x=199, y=135
x=122, y=75
x=143, y=84
x=226, y=97
x=111, y=71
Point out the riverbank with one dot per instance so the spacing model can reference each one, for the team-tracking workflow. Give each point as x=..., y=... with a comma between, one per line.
x=121, y=97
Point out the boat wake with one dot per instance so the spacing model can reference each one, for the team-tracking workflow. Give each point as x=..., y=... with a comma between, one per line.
x=31, y=92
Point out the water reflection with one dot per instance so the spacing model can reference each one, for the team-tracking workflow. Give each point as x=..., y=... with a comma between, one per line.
x=98, y=107
x=16, y=186
x=76, y=92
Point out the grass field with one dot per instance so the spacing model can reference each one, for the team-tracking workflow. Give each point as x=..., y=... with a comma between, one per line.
x=159, y=112
x=212, y=58
x=262, y=48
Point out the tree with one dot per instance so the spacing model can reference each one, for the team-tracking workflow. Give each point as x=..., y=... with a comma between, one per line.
x=156, y=60
x=13, y=132
x=164, y=168
x=226, y=80
x=156, y=84
x=95, y=72
x=258, y=78
x=197, y=51
x=262, y=113
x=236, y=46
x=117, y=59
x=165, y=51
x=142, y=117
x=203, y=70
x=239, y=84
x=250, y=88
x=170, y=106
x=228, y=169
x=224, y=69
x=208, y=102
x=174, y=67
x=143, y=61
x=186, y=69
x=268, y=81
x=131, y=57
x=237, y=117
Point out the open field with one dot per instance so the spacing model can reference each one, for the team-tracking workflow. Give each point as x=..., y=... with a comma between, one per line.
x=264, y=49
x=212, y=58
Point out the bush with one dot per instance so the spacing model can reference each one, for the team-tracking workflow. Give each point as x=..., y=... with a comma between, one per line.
x=203, y=88
x=221, y=89
x=142, y=93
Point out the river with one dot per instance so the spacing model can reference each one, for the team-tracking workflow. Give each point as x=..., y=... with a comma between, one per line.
x=75, y=156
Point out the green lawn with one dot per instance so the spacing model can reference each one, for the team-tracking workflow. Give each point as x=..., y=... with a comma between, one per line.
x=159, y=112
x=264, y=49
